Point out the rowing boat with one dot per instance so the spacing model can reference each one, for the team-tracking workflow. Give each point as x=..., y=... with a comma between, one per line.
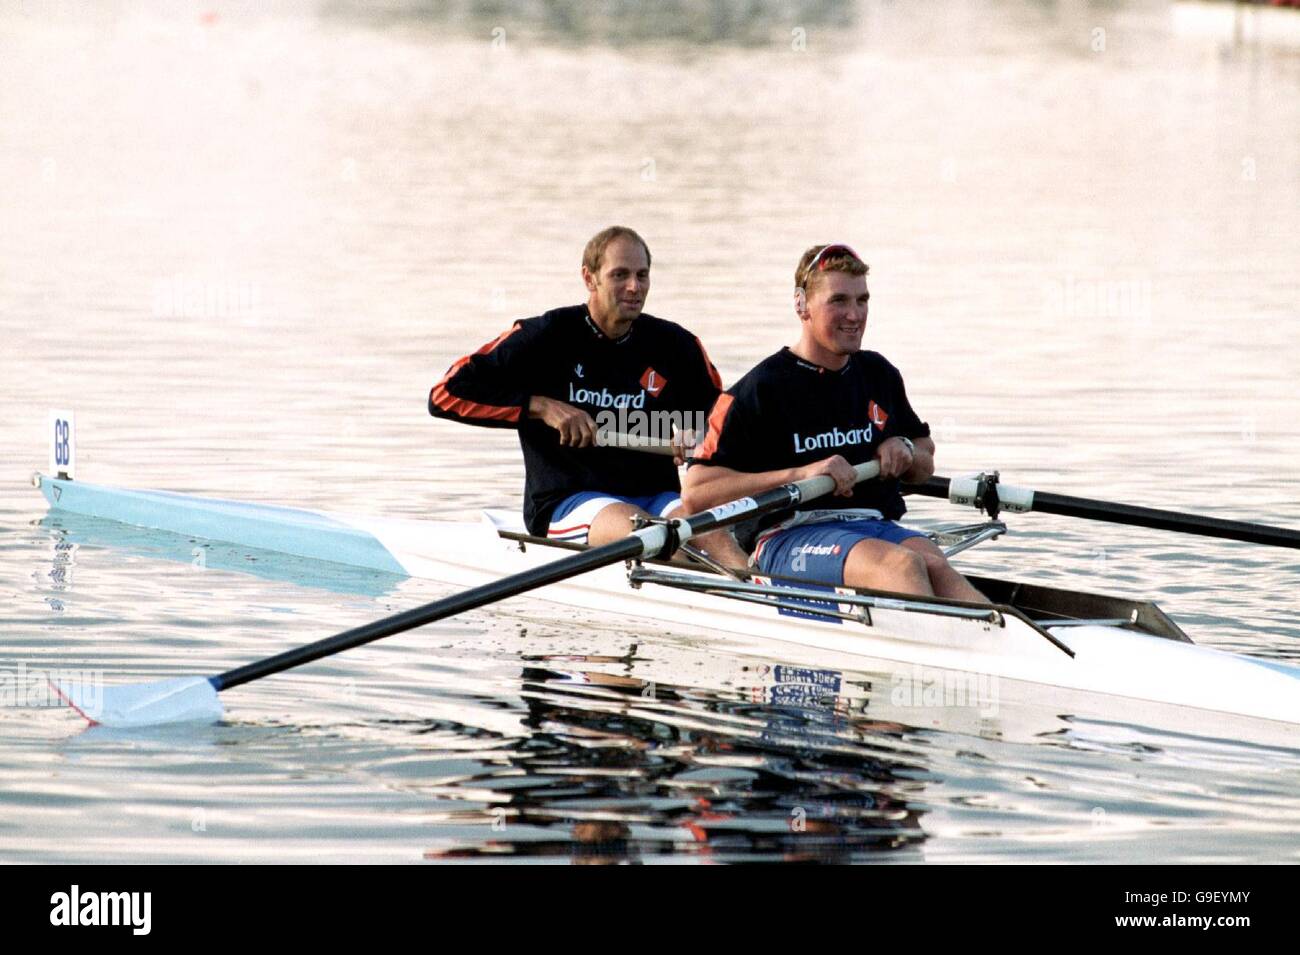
x=1064, y=644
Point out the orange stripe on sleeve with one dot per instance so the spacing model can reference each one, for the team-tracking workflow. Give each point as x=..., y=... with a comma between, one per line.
x=708, y=365
x=717, y=418
x=464, y=408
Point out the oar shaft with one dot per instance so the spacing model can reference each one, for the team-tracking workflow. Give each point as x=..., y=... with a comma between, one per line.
x=1129, y=514
x=776, y=499
x=648, y=542
x=1137, y=516
x=625, y=549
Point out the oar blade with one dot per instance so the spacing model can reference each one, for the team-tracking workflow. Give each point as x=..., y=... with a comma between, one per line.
x=185, y=700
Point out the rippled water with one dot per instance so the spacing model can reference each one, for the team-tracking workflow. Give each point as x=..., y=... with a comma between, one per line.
x=242, y=245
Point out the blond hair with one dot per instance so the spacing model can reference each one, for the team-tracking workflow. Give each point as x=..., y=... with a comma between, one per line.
x=837, y=261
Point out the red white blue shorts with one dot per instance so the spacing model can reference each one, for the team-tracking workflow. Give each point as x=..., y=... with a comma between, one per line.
x=571, y=520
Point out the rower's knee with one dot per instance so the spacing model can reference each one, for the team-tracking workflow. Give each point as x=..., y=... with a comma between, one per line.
x=613, y=522
x=906, y=563
x=936, y=564
x=945, y=579
x=878, y=565
x=929, y=552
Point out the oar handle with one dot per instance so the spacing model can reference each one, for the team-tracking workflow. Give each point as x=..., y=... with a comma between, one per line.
x=823, y=484
x=634, y=442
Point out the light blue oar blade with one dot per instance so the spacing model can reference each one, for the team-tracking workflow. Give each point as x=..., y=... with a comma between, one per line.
x=186, y=700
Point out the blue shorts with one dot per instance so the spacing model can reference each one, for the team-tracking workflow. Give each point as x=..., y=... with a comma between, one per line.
x=571, y=520
x=817, y=551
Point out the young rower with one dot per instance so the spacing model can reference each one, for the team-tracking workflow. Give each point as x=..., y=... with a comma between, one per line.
x=552, y=377
x=822, y=395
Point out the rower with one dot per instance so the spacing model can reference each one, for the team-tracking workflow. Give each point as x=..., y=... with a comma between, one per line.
x=824, y=394
x=555, y=377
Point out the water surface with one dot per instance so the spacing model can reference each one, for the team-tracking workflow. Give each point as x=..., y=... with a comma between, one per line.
x=243, y=245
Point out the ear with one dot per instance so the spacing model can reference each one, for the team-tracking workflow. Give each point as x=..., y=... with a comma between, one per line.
x=801, y=303
x=588, y=279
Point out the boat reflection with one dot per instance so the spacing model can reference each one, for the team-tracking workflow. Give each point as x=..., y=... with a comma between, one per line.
x=619, y=767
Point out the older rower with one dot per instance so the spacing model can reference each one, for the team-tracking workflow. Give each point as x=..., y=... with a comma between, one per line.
x=550, y=378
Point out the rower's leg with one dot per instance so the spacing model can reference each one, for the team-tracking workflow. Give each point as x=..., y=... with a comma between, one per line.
x=879, y=565
x=719, y=544
x=612, y=522
x=944, y=578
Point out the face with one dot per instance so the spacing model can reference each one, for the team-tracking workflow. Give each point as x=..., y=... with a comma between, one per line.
x=618, y=291
x=834, y=312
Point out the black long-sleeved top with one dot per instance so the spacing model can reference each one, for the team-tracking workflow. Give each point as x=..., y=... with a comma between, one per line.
x=655, y=375
x=788, y=412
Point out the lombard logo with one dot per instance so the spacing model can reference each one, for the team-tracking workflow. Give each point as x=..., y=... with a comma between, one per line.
x=834, y=438
x=604, y=398
x=799, y=556
x=818, y=550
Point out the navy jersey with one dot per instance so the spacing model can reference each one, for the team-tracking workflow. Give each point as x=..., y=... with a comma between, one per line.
x=788, y=412
x=657, y=366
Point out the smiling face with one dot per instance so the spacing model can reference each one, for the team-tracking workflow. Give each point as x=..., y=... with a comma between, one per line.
x=617, y=290
x=833, y=311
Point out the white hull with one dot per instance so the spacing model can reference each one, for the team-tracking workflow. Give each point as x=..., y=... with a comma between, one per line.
x=1108, y=660
x=1150, y=680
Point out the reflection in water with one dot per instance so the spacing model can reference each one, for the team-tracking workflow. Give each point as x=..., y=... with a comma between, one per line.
x=618, y=22
x=618, y=768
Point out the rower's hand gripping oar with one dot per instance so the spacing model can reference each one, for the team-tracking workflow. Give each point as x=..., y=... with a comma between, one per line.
x=191, y=699
x=984, y=492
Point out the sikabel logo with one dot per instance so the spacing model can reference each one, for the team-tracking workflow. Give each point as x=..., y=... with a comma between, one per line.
x=834, y=438
x=604, y=398
x=103, y=908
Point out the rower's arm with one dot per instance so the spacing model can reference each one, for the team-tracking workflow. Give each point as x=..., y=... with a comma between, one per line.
x=490, y=386
x=575, y=426
x=893, y=455
x=922, y=468
x=708, y=485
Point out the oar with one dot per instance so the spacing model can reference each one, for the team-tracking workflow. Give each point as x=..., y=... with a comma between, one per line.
x=189, y=699
x=986, y=493
x=634, y=442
